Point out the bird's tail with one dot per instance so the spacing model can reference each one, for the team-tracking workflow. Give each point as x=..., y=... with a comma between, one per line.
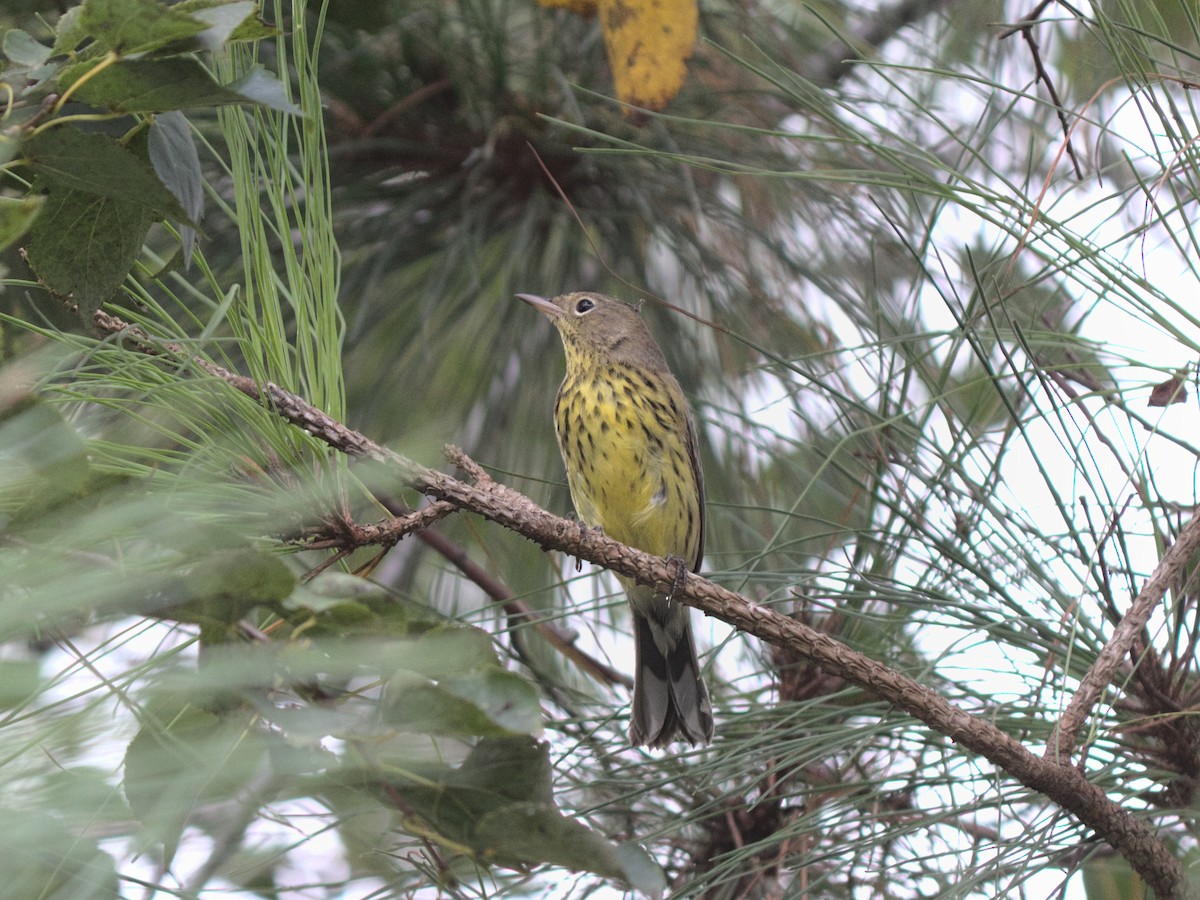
x=669, y=696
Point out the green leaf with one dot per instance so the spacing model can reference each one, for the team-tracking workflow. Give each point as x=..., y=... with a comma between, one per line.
x=1107, y=876
x=224, y=19
x=423, y=708
x=22, y=49
x=69, y=33
x=19, y=681
x=43, y=460
x=261, y=87
x=43, y=858
x=250, y=575
x=977, y=399
x=332, y=589
x=341, y=606
x=490, y=702
x=227, y=584
x=508, y=700
x=499, y=806
x=98, y=164
x=151, y=85
x=84, y=796
x=83, y=245
x=251, y=28
x=177, y=165
x=448, y=653
x=224, y=586
x=198, y=25
x=26, y=77
x=181, y=757
x=16, y=215
x=8, y=147
x=136, y=26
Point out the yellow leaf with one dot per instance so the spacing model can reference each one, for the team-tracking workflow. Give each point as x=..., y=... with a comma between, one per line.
x=584, y=8
x=648, y=42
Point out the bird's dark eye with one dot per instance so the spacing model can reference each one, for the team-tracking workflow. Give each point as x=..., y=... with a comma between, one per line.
x=583, y=306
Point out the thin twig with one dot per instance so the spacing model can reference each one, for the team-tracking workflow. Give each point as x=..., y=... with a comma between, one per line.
x=562, y=640
x=348, y=535
x=1025, y=27
x=1027, y=20
x=230, y=826
x=1099, y=676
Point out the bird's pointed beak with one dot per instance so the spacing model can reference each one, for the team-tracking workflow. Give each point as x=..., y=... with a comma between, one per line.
x=542, y=305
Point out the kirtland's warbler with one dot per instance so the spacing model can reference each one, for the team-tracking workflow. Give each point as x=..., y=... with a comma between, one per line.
x=629, y=445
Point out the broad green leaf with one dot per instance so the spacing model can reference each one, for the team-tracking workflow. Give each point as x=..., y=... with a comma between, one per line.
x=423, y=708
x=250, y=575
x=16, y=216
x=85, y=795
x=151, y=85
x=1107, y=876
x=98, y=164
x=341, y=606
x=27, y=75
x=448, y=652
x=184, y=756
x=508, y=700
x=226, y=584
x=261, y=87
x=333, y=589
x=252, y=28
x=19, y=681
x=44, y=858
x=978, y=399
x=20, y=47
x=136, y=26
x=499, y=806
x=83, y=245
x=177, y=165
x=223, y=19
x=8, y=147
x=69, y=33
x=43, y=460
x=490, y=702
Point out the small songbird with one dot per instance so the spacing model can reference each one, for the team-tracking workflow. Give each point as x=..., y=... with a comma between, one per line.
x=629, y=445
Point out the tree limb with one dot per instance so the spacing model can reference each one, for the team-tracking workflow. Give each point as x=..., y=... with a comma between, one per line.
x=1100, y=675
x=1063, y=784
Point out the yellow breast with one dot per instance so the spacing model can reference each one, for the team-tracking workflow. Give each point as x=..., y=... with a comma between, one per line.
x=624, y=439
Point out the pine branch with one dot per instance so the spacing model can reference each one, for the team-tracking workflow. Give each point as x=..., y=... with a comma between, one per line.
x=1177, y=558
x=1064, y=784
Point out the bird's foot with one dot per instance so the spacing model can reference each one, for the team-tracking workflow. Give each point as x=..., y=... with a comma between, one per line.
x=681, y=572
x=585, y=528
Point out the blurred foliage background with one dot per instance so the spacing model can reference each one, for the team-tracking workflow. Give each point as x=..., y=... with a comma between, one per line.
x=921, y=338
